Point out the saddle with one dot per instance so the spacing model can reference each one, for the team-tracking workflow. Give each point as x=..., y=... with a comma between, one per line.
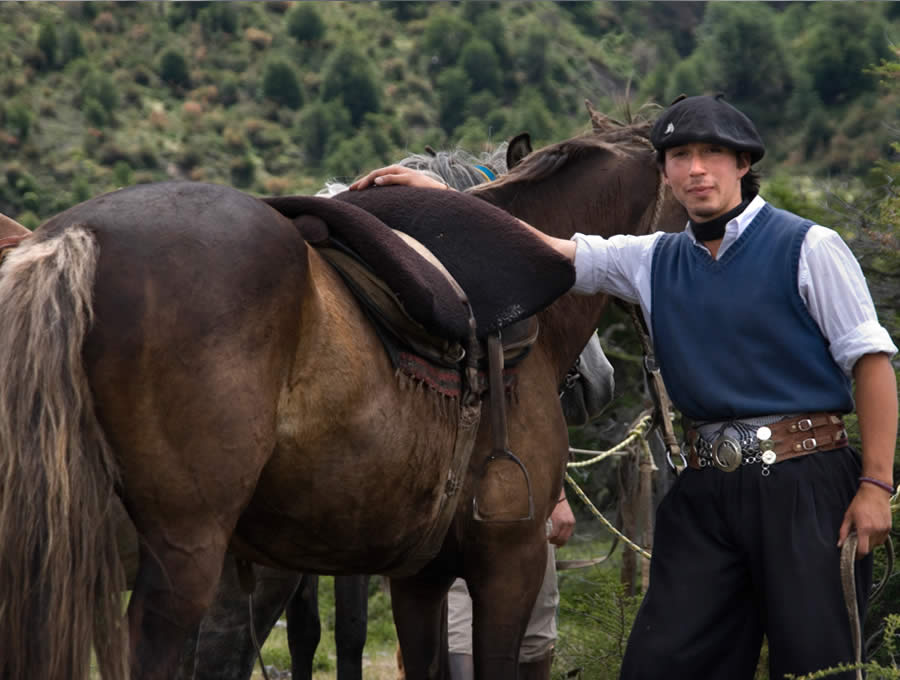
x=453, y=277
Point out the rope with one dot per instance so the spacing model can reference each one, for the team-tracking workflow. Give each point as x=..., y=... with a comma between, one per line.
x=638, y=432
x=587, y=501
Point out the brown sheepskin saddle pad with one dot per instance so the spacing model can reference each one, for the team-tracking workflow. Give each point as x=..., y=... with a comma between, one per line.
x=507, y=273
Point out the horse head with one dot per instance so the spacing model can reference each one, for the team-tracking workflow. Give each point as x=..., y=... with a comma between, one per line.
x=604, y=182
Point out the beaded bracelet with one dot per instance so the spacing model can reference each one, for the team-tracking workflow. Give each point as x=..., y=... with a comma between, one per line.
x=877, y=482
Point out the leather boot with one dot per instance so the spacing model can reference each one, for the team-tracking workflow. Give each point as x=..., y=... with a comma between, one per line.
x=462, y=667
x=536, y=670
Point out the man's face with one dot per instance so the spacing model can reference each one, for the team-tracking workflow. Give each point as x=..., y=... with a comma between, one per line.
x=705, y=178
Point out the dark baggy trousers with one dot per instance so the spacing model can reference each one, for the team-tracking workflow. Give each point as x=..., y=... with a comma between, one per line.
x=737, y=555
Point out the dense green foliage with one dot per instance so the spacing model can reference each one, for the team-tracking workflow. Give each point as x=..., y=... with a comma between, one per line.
x=278, y=96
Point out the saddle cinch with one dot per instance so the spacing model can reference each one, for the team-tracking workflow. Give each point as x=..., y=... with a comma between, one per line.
x=452, y=281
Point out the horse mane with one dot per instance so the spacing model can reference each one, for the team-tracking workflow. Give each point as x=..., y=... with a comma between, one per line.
x=607, y=135
x=458, y=168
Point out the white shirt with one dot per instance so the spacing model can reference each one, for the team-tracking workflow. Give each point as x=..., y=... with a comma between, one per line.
x=829, y=280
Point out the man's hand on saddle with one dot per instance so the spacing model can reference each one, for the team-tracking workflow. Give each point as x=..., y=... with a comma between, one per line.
x=402, y=176
x=870, y=515
x=397, y=175
x=562, y=523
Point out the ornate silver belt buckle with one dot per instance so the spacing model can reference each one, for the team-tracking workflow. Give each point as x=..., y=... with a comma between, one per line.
x=726, y=454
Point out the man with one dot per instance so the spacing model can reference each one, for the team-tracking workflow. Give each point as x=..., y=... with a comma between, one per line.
x=760, y=320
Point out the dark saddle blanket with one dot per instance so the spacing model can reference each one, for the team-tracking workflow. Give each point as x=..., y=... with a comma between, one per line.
x=507, y=273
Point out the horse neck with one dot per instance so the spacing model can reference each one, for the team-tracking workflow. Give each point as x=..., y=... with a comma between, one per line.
x=593, y=196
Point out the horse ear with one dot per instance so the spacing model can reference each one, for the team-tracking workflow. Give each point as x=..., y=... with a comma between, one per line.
x=519, y=147
x=599, y=122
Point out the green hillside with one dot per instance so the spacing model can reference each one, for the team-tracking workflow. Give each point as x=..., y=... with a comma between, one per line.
x=275, y=97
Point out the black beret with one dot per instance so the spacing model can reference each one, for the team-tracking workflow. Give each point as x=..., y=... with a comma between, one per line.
x=706, y=119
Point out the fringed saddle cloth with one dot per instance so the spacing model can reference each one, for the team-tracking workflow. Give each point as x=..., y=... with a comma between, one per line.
x=449, y=273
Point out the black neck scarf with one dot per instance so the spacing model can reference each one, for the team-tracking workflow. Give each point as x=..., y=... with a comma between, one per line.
x=714, y=229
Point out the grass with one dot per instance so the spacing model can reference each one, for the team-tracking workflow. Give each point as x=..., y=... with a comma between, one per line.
x=582, y=644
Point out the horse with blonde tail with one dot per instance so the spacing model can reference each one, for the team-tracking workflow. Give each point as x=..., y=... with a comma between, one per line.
x=182, y=346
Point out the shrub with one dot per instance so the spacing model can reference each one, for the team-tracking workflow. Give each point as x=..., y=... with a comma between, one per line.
x=304, y=23
x=242, y=171
x=445, y=35
x=219, y=17
x=94, y=112
x=48, y=43
x=173, y=69
x=99, y=87
x=19, y=119
x=281, y=86
x=453, y=86
x=349, y=76
x=351, y=157
x=480, y=62
x=318, y=124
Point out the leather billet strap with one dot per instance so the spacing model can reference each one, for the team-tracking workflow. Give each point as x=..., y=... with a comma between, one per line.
x=789, y=438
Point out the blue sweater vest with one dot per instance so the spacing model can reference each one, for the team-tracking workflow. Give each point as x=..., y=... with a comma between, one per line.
x=732, y=336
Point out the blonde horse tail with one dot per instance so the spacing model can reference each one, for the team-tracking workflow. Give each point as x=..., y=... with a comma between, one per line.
x=60, y=577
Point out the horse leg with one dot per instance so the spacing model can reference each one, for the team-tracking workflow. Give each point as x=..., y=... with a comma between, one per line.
x=304, y=629
x=419, y=604
x=173, y=589
x=503, y=594
x=351, y=602
x=223, y=646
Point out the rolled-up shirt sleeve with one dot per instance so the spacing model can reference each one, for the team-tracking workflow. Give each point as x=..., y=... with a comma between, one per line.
x=618, y=265
x=834, y=288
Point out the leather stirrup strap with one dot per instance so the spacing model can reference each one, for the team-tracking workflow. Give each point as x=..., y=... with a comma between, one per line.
x=499, y=434
x=497, y=394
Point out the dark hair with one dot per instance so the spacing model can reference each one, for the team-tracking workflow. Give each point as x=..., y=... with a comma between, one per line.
x=749, y=182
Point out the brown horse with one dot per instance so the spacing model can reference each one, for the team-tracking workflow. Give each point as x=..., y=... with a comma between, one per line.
x=180, y=345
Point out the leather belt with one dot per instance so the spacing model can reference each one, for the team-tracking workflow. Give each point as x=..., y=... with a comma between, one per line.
x=789, y=438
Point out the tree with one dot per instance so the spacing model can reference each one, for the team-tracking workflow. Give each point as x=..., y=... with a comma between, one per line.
x=71, y=45
x=219, y=17
x=349, y=76
x=445, y=35
x=843, y=41
x=480, y=62
x=173, y=69
x=453, y=86
x=48, y=43
x=533, y=54
x=746, y=59
x=304, y=23
x=320, y=126
x=281, y=86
